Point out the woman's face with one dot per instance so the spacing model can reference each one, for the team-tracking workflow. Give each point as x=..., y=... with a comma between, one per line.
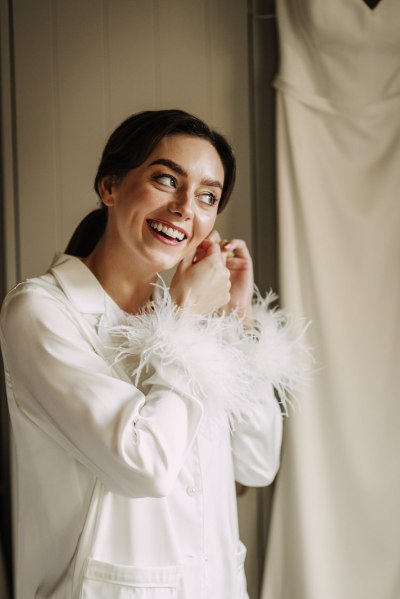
x=167, y=206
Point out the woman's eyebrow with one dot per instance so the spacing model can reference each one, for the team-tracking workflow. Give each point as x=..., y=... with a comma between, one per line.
x=170, y=164
x=212, y=183
x=180, y=171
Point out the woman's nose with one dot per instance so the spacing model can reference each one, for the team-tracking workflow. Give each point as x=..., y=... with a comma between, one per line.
x=182, y=204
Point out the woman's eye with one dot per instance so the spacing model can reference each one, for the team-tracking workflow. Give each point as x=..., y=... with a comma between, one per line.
x=165, y=179
x=208, y=198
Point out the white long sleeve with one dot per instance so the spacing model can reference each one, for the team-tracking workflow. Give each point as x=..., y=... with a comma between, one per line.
x=135, y=443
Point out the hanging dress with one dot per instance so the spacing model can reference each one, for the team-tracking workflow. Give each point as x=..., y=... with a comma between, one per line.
x=335, y=528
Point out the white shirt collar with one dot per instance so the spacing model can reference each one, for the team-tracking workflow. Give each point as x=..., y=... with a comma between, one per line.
x=83, y=289
x=79, y=284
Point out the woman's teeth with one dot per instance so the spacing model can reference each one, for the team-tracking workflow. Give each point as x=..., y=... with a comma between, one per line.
x=168, y=231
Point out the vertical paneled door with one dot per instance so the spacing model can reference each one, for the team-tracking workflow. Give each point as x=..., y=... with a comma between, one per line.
x=71, y=71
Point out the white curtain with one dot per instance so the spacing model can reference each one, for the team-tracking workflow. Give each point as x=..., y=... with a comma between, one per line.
x=335, y=528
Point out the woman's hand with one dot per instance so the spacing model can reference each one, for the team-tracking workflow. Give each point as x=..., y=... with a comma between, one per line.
x=240, y=265
x=201, y=282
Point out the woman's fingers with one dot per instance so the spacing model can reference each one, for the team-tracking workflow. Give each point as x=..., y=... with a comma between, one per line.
x=230, y=248
x=202, y=285
x=235, y=248
x=214, y=236
x=218, y=274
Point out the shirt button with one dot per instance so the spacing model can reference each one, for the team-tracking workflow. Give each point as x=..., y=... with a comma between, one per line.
x=192, y=491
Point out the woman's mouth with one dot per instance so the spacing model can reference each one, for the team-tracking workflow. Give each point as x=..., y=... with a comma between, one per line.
x=167, y=232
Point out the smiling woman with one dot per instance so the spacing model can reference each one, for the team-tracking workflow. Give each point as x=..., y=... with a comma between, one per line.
x=135, y=407
x=174, y=193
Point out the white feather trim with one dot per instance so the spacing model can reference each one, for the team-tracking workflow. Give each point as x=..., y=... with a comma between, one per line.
x=213, y=356
x=278, y=353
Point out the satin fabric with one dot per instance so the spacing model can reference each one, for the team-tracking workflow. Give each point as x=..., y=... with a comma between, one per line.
x=335, y=529
x=123, y=491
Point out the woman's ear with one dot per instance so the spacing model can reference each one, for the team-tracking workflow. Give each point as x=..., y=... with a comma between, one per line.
x=106, y=190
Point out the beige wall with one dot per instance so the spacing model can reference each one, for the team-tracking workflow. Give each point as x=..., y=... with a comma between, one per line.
x=83, y=66
x=76, y=69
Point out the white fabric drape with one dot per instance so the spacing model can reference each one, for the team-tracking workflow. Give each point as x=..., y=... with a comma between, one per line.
x=335, y=529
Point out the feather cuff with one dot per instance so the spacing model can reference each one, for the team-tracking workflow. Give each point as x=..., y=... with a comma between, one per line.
x=276, y=349
x=213, y=358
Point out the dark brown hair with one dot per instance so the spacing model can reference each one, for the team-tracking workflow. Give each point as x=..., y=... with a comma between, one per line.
x=129, y=146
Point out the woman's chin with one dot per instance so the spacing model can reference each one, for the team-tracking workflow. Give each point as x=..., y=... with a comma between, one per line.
x=167, y=263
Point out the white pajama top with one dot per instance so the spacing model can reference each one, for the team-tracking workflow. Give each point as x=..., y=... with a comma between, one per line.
x=130, y=432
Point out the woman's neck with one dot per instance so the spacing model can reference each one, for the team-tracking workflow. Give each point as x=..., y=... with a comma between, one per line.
x=121, y=280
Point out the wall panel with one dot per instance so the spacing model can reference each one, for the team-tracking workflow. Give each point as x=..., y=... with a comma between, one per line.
x=81, y=66
x=183, y=65
x=131, y=58
x=79, y=106
x=35, y=119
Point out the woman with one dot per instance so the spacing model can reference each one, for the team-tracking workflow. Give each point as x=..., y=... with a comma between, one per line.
x=134, y=407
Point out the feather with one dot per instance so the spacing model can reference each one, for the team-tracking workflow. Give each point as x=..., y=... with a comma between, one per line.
x=214, y=356
x=280, y=354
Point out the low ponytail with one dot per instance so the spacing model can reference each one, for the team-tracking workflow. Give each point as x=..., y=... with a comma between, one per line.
x=87, y=233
